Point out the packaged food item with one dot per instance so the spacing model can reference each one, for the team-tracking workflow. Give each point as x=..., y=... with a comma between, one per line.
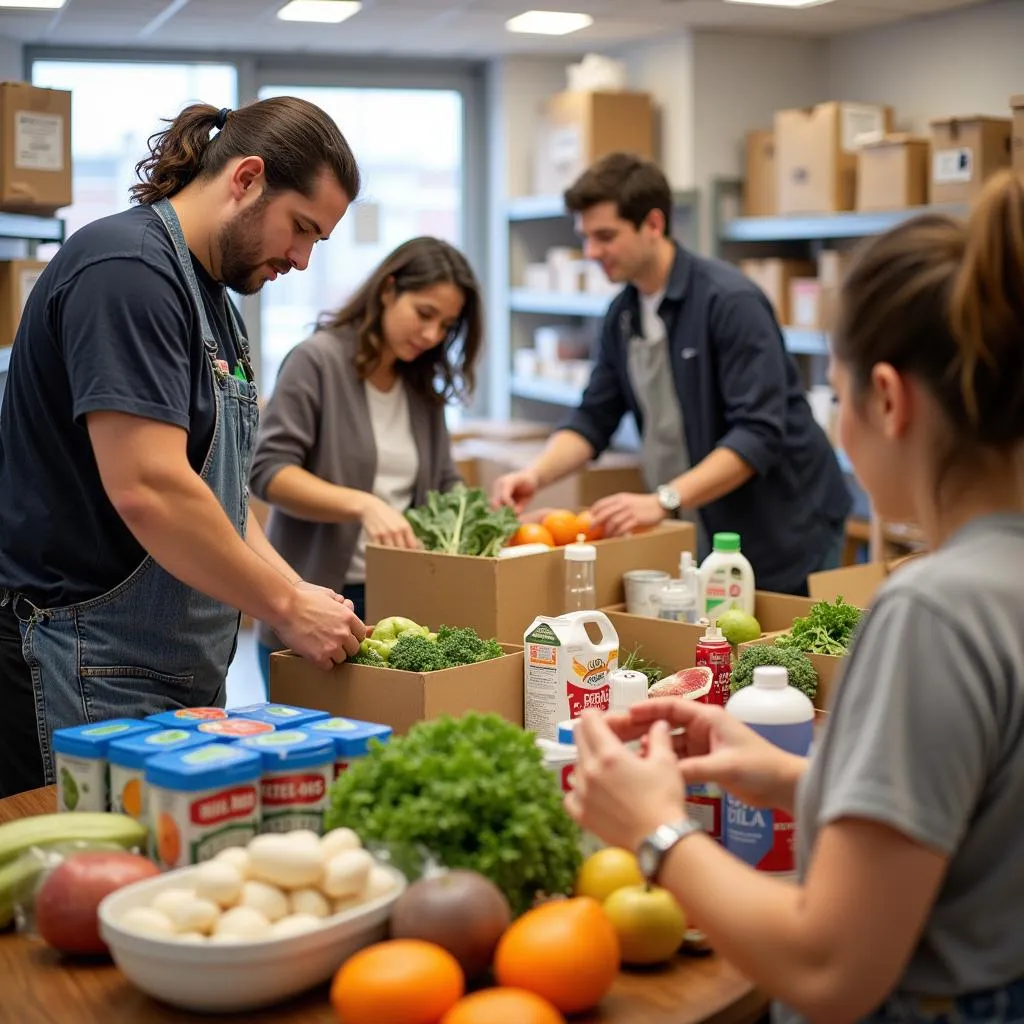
x=202, y=801
x=83, y=778
x=228, y=729
x=298, y=767
x=351, y=738
x=127, y=758
x=282, y=716
x=566, y=671
x=186, y=718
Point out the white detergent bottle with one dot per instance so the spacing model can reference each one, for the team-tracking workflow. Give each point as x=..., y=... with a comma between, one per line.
x=766, y=838
x=726, y=578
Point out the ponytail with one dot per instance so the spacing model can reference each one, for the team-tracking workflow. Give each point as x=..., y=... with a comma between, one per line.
x=175, y=154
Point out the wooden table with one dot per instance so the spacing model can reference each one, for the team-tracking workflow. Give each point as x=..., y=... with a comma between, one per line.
x=37, y=987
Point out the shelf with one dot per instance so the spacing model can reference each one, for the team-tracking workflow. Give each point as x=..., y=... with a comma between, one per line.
x=553, y=207
x=801, y=341
x=824, y=226
x=5, y=358
x=559, y=303
x=30, y=228
x=551, y=391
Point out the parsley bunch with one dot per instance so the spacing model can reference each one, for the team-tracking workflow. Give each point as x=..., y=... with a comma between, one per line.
x=474, y=792
x=825, y=629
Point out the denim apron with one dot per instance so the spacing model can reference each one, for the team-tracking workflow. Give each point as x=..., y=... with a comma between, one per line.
x=152, y=643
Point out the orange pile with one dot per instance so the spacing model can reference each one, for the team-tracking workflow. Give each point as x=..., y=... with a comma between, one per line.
x=558, y=528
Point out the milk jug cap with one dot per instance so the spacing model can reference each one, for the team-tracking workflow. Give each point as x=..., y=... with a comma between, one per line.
x=771, y=677
x=726, y=542
x=580, y=552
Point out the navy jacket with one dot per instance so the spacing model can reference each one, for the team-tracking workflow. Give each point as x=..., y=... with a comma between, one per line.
x=740, y=389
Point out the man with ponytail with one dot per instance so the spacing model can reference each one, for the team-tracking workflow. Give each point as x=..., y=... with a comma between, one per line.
x=127, y=432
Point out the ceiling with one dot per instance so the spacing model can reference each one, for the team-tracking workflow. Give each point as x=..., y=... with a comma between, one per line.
x=428, y=28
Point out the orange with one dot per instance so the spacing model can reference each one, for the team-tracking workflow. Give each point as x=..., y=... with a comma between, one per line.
x=131, y=798
x=503, y=1006
x=562, y=525
x=403, y=981
x=566, y=951
x=586, y=525
x=168, y=840
x=532, y=533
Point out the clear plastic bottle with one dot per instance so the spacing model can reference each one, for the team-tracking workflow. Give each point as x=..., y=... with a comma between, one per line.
x=580, y=576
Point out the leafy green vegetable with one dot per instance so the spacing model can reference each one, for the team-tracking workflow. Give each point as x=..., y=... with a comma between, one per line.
x=464, y=646
x=367, y=656
x=826, y=629
x=634, y=662
x=475, y=793
x=405, y=645
x=394, y=626
x=462, y=522
x=413, y=652
x=797, y=664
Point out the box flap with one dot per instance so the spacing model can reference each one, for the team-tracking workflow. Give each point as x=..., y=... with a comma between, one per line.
x=1017, y=102
x=895, y=139
x=856, y=584
x=968, y=119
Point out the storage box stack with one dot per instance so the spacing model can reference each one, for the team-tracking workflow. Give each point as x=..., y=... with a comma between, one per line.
x=966, y=151
x=892, y=173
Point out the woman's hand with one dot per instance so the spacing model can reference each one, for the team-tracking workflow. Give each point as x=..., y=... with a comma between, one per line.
x=385, y=526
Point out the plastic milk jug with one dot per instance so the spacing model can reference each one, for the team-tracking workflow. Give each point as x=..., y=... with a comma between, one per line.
x=567, y=669
x=726, y=578
x=784, y=716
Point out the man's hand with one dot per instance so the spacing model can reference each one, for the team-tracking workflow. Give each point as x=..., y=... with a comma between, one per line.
x=320, y=626
x=515, y=489
x=623, y=513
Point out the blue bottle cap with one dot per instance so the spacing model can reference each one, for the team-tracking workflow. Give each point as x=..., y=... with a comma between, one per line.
x=210, y=766
x=290, y=748
x=567, y=731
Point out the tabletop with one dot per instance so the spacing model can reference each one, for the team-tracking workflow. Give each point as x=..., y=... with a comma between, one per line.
x=41, y=988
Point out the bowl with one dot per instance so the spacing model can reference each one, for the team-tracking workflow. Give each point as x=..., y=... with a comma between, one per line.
x=230, y=977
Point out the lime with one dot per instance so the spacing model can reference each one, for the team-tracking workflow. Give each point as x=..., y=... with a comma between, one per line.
x=738, y=627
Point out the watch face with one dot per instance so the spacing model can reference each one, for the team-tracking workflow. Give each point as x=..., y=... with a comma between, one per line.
x=668, y=499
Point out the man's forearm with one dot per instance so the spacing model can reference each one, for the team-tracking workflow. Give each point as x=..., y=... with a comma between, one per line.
x=719, y=473
x=258, y=543
x=565, y=452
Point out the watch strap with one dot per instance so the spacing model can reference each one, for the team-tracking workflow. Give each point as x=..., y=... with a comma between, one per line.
x=656, y=847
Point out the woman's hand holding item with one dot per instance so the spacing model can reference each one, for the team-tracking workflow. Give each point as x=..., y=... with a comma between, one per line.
x=385, y=526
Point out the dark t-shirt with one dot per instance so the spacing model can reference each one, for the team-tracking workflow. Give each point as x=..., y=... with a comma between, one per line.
x=110, y=326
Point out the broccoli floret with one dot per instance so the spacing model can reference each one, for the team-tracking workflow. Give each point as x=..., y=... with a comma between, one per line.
x=796, y=663
x=367, y=656
x=464, y=646
x=413, y=652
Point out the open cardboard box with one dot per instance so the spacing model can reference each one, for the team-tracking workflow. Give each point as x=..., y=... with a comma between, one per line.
x=856, y=584
x=500, y=597
x=828, y=668
x=401, y=699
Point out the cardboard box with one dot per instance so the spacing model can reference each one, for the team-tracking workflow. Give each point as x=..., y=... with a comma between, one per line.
x=856, y=584
x=805, y=305
x=17, y=279
x=773, y=276
x=507, y=431
x=827, y=667
x=831, y=267
x=966, y=151
x=816, y=154
x=759, y=182
x=1017, y=143
x=35, y=148
x=401, y=699
x=892, y=173
x=500, y=597
x=578, y=128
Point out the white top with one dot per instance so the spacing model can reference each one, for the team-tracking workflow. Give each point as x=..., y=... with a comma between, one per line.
x=652, y=326
x=398, y=462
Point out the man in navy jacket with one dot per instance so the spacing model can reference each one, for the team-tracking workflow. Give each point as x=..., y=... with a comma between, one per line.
x=692, y=348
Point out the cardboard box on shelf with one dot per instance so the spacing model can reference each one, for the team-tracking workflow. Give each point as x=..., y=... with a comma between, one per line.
x=773, y=276
x=893, y=173
x=1017, y=144
x=401, y=699
x=966, y=151
x=805, y=306
x=17, y=279
x=578, y=128
x=500, y=597
x=35, y=148
x=760, y=186
x=831, y=267
x=816, y=154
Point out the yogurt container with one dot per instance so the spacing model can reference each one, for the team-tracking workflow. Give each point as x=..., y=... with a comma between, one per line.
x=186, y=718
x=228, y=730
x=83, y=780
x=128, y=757
x=298, y=768
x=351, y=738
x=201, y=801
x=283, y=716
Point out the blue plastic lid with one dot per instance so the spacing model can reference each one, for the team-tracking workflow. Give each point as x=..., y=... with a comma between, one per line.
x=94, y=740
x=351, y=737
x=567, y=731
x=284, y=716
x=135, y=751
x=207, y=766
x=290, y=748
x=186, y=718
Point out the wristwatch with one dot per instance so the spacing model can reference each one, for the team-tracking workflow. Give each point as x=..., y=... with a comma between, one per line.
x=669, y=500
x=654, y=849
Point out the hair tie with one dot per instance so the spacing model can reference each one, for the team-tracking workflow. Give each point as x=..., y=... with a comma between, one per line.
x=222, y=118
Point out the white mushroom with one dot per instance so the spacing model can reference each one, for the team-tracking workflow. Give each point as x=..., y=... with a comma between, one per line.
x=274, y=858
x=347, y=873
x=380, y=883
x=237, y=856
x=167, y=900
x=339, y=839
x=147, y=921
x=241, y=924
x=194, y=937
x=294, y=924
x=220, y=882
x=309, y=902
x=194, y=915
x=270, y=901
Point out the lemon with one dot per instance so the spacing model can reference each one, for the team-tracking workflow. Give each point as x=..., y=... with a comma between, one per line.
x=604, y=872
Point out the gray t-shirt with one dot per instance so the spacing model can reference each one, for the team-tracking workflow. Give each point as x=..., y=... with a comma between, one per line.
x=926, y=735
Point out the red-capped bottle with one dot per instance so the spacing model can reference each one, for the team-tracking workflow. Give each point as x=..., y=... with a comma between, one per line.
x=714, y=653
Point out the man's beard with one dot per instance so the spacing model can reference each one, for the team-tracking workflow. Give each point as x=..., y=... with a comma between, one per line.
x=240, y=243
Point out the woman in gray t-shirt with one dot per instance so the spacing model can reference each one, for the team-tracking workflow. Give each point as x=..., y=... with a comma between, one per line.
x=910, y=812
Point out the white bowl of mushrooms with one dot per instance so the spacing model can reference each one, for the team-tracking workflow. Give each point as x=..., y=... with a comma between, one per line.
x=255, y=925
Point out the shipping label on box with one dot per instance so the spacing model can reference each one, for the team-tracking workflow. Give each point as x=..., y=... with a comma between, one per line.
x=35, y=148
x=965, y=153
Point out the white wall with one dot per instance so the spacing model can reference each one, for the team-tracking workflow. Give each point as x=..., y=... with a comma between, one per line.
x=12, y=64
x=968, y=61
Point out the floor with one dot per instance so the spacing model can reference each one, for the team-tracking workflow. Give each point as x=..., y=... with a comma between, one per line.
x=245, y=683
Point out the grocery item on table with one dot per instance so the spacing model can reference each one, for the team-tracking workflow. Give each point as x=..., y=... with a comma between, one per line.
x=628, y=687
x=641, y=586
x=229, y=729
x=726, y=578
x=202, y=801
x=351, y=738
x=298, y=767
x=580, y=576
x=81, y=761
x=186, y=718
x=283, y=716
x=565, y=671
x=675, y=602
x=128, y=758
x=714, y=652
x=766, y=839
x=689, y=576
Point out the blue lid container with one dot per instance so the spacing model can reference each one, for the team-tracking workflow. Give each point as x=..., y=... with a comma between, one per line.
x=290, y=748
x=136, y=750
x=284, y=716
x=94, y=740
x=567, y=731
x=209, y=766
x=351, y=737
x=186, y=718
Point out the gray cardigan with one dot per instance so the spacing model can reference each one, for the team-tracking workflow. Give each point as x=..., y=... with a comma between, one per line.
x=317, y=418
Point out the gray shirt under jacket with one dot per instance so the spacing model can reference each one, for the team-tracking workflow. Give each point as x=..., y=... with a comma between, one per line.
x=317, y=418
